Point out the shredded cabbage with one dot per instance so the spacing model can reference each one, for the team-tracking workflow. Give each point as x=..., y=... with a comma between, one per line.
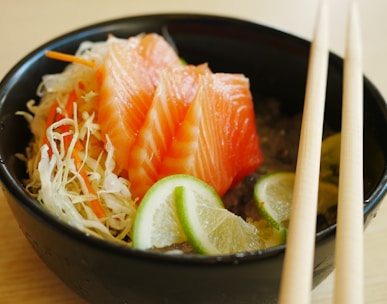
x=55, y=177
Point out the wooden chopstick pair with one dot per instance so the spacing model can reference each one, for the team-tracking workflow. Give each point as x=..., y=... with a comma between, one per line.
x=297, y=272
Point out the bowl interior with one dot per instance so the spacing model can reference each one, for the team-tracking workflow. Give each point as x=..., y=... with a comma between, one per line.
x=275, y=62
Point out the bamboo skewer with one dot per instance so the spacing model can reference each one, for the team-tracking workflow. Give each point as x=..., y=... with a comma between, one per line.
x=297, y=271
x=349, y=237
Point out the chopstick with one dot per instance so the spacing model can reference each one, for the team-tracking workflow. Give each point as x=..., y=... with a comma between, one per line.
x=349, y=237
x=297, y=270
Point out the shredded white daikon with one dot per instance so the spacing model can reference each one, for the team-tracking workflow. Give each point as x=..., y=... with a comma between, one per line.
x=64, y=178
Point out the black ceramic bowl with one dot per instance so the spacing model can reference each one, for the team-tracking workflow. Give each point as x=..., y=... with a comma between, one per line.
x=102, y=272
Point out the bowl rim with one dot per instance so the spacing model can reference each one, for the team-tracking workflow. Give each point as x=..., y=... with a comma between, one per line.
x=16, y=189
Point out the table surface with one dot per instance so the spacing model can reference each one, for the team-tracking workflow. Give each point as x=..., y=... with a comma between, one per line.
x=24, y=25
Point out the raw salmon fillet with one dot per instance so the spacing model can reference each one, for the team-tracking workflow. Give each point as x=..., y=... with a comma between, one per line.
x=217, y=141
x=129, y=77
x=173, y=96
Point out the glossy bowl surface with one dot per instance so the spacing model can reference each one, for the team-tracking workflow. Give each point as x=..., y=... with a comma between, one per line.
x=101, y=272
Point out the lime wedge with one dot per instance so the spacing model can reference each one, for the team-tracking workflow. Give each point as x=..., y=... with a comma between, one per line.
x=273, y=195
x=212, y=229
x=156, y=224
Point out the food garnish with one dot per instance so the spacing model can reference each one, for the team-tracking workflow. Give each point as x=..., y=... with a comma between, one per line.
x=69, y=58
x=157, y=224
x=273, y=196
x=211, y=228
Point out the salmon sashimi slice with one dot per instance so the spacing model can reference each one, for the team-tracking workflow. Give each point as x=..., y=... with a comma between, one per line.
x=217, y=141
x=244, y=147
x=129, y=77
x=175, y=92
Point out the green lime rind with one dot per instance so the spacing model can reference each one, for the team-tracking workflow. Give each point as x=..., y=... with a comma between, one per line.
x=272, y=194
x=277, y=237
x=185, y=205
x=270, y=217
x=156, y=224
x=273, y=197
x=212, y=229
x=270, y=236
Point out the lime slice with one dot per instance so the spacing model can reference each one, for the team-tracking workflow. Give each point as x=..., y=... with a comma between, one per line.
x=273, y=195
x=156, y=224
x=212, y=229
x=330, y=159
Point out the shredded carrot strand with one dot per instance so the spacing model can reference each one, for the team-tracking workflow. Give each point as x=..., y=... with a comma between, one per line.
x=70, y=113
x=95, y=203
x=70, y=101
x=81, y=85
x=99, y=76
x=69, y=58
x=54, y=116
